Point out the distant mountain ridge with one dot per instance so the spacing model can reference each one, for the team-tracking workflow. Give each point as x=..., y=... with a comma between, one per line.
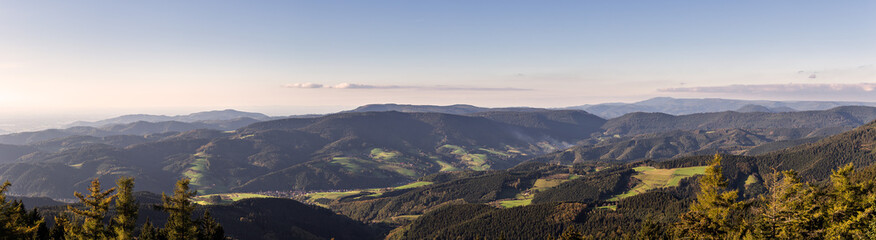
x=759, y=108
x=219, y=115
x=682, y=106
x=139, y=128
x=458, y=109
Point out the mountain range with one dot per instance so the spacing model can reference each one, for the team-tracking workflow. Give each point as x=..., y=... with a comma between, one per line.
x=682, y=106
x=381, y=149
x=140, y=128
x=204, y=117
x=473, y=172
x=464, y=205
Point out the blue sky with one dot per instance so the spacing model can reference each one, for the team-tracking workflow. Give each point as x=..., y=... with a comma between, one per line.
x=291, y=57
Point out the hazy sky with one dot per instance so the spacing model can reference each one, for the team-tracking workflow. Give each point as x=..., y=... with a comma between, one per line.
x=292, y=57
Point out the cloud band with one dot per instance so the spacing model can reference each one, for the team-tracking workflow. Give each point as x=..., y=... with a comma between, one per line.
x=366, y=86
x=856, y=88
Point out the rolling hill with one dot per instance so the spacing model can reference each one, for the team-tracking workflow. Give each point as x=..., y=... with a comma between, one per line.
x=458, y=109
x=382, y=149
x=139, y=128
x=350, y=150
x=208, y=116
x=684, y=106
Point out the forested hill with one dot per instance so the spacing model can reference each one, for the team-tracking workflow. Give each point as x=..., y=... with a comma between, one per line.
x=611, y=215
x=641, y=123
x=458, y=109
x=657, y=136
x=349, y=150
x=814, y=161
x=139, y=128
x=208, y=116
x=379, y=149
x=461, y=164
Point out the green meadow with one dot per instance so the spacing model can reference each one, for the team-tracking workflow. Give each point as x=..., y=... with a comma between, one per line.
x=659, y=178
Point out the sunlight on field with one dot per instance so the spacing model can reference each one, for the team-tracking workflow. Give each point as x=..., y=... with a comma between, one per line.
x=333, y=195
x=197, y=172
x=382, y=155
x=446, y=167
x=525, y=198
x=412, y=185
x=516, y=203
x=226, y=198
x=475, y=161
x=659, y=178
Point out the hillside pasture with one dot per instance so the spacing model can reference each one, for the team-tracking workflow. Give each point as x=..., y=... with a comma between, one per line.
x=652, y=178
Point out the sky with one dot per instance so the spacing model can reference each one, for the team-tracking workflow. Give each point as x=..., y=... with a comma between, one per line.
x=91, y=59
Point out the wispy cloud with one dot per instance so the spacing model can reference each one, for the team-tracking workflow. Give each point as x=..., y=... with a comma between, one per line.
x=303, y=85
x=413, y=87
x=797, y=88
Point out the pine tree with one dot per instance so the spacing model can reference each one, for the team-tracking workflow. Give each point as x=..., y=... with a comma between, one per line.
x=650, y=230
x=13, y=218
x=711, y=216
x=571, y=234
x=126, y=210
x=96, y=206
x=179, y=224
x=791, y=210
x=33, y=218
x=853, y=206
x=149, y=232
x=59, y=231
x=209, y=228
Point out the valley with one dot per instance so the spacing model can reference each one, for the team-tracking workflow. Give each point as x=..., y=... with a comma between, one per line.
x=444, y=120
x=400, y=175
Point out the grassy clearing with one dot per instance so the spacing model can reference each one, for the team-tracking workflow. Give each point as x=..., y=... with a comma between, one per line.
x=406, y=217
x=446, y=167
x=515, y=203
x=682, y=173
x=199, y=181
x=244, y=136
x=751, y=180
x=333, y=195
x=494, y=152
x=544, y=184
x=374, y=192
x=412, y=185
x=457, y=150
x=525, y=198
x=377, y=192
x=659, y=178
x=226, y=198
x=356, y=165
x=477, y=162
x=379, y=154
x=513, y=150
